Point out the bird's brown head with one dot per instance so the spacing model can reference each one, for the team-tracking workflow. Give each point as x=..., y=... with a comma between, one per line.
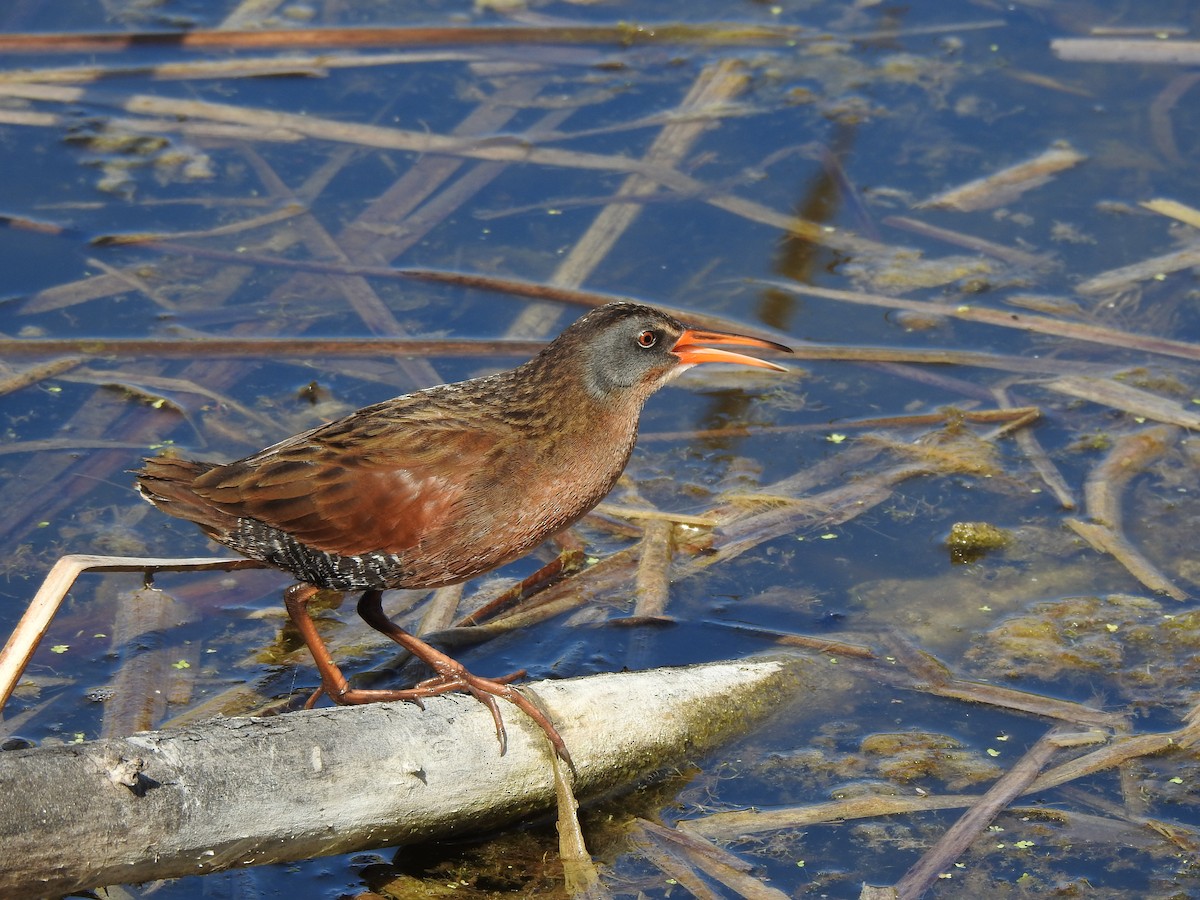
x=629, y=349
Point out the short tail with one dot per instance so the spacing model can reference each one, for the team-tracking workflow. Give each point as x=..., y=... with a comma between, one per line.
x=167, y=482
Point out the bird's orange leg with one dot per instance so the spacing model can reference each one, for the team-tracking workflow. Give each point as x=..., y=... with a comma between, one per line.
x=333, y=682
x=451, y=674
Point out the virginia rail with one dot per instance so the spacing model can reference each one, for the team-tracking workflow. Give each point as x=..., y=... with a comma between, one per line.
x=436, y=487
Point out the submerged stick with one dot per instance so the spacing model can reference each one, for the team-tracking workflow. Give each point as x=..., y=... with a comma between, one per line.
x=40, y=372
x=1007, y=184
x=251, y=791
x=1126, y=277
x=1130, y=455
x=270, y=346
x=1075, y=331
x=955, y=841
x=1039, y=459
x=686, y=853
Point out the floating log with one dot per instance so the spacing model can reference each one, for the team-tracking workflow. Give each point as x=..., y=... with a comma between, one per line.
x=249, y=791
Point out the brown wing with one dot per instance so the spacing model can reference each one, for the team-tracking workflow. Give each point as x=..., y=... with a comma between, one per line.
x=355, y=487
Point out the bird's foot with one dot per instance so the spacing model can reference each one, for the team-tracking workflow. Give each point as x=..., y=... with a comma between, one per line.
x=455, y=677
x=451, y=675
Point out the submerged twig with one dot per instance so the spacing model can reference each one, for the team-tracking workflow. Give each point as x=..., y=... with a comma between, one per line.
x=923, y=672
x=824, y=645
x=667, y=860
x=960, y=835
x=1113, y=755
x=730, y=826
x=1077, y=331
x=1129, y=456
x=684, y=850
x=268, y=346
x=155, y=388
x=1135, y=401
x=315, y=64
x=139, y=696
x=1008, y=184
x=1039, y=459
x=38, y=372
x=958, y=238
x=1161, y=126
x=1106, y=541
x=580, y=876
x=285, y=212
x=1125, y=277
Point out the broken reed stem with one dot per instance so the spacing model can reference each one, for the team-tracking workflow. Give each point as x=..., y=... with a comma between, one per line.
x=669, y=863
x=1129, y=456
x=208, y=347
x=139, y=692
x=1112, y=756
x=1135, y=401
x=958, y=238
x=1076, y=331
x=285, y=212
x=747, y=823
x=1115, y=280
x=582, y=879
x=623, y=36
x=921, y=671
x=33, y=624
x=313, y=65
x=1007, y=184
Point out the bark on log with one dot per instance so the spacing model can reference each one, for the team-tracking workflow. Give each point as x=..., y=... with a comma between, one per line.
x=247, y=791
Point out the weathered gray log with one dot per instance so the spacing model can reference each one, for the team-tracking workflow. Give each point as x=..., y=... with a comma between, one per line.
x=247, y=791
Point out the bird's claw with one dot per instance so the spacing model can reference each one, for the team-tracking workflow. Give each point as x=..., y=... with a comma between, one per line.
x=486, y=690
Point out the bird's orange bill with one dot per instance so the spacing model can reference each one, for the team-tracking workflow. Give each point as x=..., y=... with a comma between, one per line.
x=689, y=348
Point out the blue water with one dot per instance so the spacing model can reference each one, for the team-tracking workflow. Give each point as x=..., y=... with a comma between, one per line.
x=887, y=107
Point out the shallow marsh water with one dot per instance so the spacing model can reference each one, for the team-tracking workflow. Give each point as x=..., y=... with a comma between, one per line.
x=817, y=151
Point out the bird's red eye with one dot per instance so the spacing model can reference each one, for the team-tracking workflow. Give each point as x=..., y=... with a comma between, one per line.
x=647, y=339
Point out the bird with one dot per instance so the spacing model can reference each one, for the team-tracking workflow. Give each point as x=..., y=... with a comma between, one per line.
x=438, y=486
